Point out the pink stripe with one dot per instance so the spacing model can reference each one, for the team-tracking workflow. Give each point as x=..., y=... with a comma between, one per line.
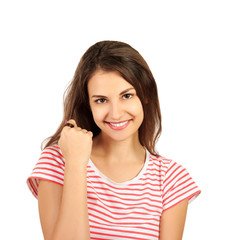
x=130, y=185
x=128, y=194
x=53, y=159
x=31, y=184
x=114, y=235
x=54, y=155
x=173, y=187
x=125, y=199
x=139, y=204
x=124, y=208
x=125, y=231
x=125, y=225
x=153, y=175
x=184, y=193
x=129, y=223
x=179, y=190
x=47, y=174
x=170, y=178
x=47, y=179
x=117, y=218
x=150, y=211
x=49, y=169
x=125, y=204
x=187, y=197
x=55, y=148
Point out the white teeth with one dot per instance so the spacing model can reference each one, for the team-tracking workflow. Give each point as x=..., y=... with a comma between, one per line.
x=118, y=124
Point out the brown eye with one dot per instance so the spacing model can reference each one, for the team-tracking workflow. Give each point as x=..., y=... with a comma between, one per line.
x=127, y=96
x=101, y=100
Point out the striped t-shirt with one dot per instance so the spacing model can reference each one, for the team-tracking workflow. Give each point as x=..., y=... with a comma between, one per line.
x=128, y=210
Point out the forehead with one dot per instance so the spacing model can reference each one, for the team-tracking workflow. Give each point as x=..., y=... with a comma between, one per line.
x=107, y=82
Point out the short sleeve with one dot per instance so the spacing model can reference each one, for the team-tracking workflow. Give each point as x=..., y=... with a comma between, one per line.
x=178, y=185
x=50, y=167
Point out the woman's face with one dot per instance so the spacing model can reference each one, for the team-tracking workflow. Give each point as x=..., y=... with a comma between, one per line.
x=116, y=108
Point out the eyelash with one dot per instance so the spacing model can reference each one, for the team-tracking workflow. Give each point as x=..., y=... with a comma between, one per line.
x=127, y=94
x=98, y=100
x=103, y=100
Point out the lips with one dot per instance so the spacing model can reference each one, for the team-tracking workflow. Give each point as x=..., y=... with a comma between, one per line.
x=118, y=125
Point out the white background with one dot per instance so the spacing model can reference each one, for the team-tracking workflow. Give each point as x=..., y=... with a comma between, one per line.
x=186, y=44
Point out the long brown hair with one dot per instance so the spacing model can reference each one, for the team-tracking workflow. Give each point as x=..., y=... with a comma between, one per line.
x=122, y=58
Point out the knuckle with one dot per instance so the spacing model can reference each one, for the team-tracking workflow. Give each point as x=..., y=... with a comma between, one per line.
x=72, y=121
x=90, y=133
x=64, y=130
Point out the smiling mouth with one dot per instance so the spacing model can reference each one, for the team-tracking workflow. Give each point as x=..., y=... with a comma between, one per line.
x=119, y=125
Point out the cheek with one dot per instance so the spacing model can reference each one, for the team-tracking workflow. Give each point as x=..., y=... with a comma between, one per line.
x=99, y=113
x=136, y=108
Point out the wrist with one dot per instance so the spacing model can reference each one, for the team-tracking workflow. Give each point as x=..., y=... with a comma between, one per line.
x=76, y=165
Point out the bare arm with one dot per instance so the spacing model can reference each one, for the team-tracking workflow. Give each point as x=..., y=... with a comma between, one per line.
x=172, y=222
x=49, y=202
x=63, y=210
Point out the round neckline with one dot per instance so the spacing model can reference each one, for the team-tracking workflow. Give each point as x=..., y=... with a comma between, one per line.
x=108, y=180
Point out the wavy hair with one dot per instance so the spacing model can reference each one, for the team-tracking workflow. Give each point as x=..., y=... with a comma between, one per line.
x=122, y=58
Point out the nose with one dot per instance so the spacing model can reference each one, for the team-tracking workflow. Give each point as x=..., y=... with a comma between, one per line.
x=116, y=111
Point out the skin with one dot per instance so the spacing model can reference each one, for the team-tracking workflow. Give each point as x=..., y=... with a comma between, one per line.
x=118, y=154
x=63, y=210
x=173, y=221
x=116, y=151
x=114, y=101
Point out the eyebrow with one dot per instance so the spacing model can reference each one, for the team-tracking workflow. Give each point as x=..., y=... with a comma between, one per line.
x=101, y=96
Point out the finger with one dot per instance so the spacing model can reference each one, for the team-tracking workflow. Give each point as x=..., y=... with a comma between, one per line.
x=90, y=133
x=71, y=123
x=84, y=130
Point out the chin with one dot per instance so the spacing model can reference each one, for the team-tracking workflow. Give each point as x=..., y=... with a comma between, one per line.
x=120, y=137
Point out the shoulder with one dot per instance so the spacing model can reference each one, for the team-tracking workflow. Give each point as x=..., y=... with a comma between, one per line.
x=161, y=164
x=169, y=170
x=52, y=153
x=53, y=149
x=50, y=167
x=176, y=182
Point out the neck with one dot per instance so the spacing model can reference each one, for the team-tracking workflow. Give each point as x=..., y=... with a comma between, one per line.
x=118, y=150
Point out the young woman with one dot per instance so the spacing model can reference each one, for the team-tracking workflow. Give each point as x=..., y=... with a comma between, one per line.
x=99, y=176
